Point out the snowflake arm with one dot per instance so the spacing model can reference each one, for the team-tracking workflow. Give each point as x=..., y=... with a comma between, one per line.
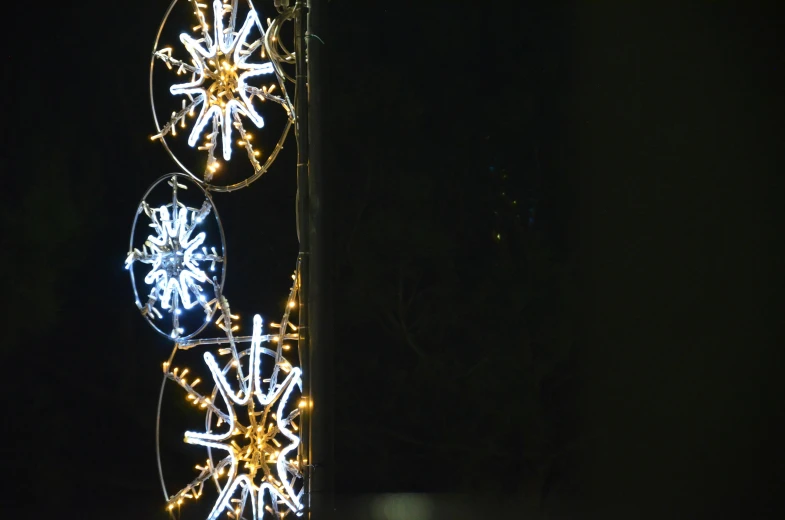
x=223, y=388
x=223, y=501
x=195, y=487
x=294, y=378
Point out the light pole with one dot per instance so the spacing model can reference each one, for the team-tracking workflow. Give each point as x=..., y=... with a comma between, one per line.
x=314, y=285
x=321, y=352
x=227, y=74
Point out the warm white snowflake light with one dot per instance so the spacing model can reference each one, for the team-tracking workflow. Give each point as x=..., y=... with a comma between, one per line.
x=216, y=87
x=223, y=61
x=253, y=428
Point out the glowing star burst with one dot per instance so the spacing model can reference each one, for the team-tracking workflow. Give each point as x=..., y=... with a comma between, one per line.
x=220, y=71
x=256, y=461
x=175, y=255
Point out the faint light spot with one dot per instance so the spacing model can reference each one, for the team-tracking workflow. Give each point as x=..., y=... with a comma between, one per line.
x=402, y=507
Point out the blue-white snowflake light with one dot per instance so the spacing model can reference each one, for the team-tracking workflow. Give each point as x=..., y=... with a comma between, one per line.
x=178, y=257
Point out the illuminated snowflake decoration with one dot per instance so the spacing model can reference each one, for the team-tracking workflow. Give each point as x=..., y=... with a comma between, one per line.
x=176, y=256
x=254, y=429
x=220, y=73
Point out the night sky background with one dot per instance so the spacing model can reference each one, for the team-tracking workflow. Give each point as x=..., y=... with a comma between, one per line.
x=555, y=253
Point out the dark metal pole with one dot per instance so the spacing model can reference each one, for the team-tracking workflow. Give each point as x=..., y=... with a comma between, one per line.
x=303, y=232
x=321, y=354
x=314, y=313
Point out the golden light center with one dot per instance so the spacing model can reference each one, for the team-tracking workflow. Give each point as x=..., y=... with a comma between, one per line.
x=224, y=79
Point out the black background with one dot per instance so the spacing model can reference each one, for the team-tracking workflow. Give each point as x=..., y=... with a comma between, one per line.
x=580, y=204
